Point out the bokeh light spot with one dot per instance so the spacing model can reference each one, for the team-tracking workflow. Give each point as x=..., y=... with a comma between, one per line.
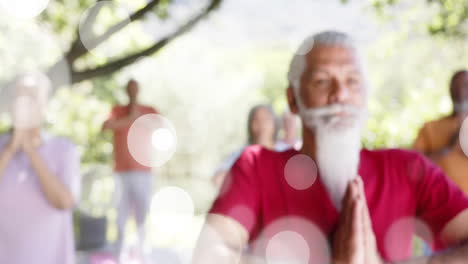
x=399, y=237
x=305, y=47
x=103, y=12
x=287, y=247
x=162, y=139
x=24, y=9
x=172, y=209
x=288, y=228
x=22, y=176
x=300, y=172
x=211, y=246
x=152, y=140
x=245, y=213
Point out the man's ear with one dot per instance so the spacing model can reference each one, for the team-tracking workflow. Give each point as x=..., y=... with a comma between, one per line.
x=293, y=106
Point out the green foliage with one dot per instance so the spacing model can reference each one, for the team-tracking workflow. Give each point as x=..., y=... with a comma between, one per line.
x=449, y=19
x=63, y=16
x=79, y=115
x=108, y=91
x=162, y=9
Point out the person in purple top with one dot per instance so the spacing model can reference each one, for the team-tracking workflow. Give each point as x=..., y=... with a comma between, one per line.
x=39, y=182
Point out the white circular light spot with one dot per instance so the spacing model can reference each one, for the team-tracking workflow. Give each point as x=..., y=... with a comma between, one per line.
x=163, y=139
x=399, y=237
x=24, y=9
x=22, y=176
x=463, y=136
x=276, y=239
x=212, y=247
x=105, y=14
x=304, y=47
x=172, y=210
x=152, y=140
x=300, y=172
x=245, y=213
x=287, y=247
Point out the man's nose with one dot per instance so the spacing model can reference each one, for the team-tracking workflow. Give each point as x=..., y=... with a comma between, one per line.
x=340, y=92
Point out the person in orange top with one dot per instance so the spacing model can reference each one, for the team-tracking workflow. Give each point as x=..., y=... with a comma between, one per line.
x=455, y=165
x=135, y=178
x=437, y=138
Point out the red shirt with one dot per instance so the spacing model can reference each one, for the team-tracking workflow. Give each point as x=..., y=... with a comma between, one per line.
x=398, y=184
x=123, y=159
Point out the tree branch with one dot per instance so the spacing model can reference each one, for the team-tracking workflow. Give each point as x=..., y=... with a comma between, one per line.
x=78, y=49
x=116, y=65
x=119, y=26
x=91, y=18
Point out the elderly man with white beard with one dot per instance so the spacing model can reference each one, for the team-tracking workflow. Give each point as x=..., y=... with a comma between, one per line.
x=357, y=207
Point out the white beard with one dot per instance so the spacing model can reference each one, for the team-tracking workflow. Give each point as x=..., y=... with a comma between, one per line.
x=338, y=147
x=337, y=159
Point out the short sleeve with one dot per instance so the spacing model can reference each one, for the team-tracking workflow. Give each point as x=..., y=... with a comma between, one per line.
x=239, y=196
x=69, y=170
x=439, y=199
x=112, y=114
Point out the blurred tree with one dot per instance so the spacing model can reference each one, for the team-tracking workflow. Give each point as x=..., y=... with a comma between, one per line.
x=63, y=16
x=60, y=17
x=448, y=19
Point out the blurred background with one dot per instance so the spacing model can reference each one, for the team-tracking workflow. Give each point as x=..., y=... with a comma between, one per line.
x=204, y=63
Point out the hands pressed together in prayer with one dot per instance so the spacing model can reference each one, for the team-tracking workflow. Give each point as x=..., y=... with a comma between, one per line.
x=117, y=123
x=23, y=139
x=354, y=241
x=28, y=140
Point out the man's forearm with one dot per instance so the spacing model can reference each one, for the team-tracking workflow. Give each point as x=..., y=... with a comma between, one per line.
x=457, y=255
x=118, y=123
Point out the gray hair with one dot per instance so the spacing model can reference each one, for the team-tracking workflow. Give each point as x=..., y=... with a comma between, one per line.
x=299, y=62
